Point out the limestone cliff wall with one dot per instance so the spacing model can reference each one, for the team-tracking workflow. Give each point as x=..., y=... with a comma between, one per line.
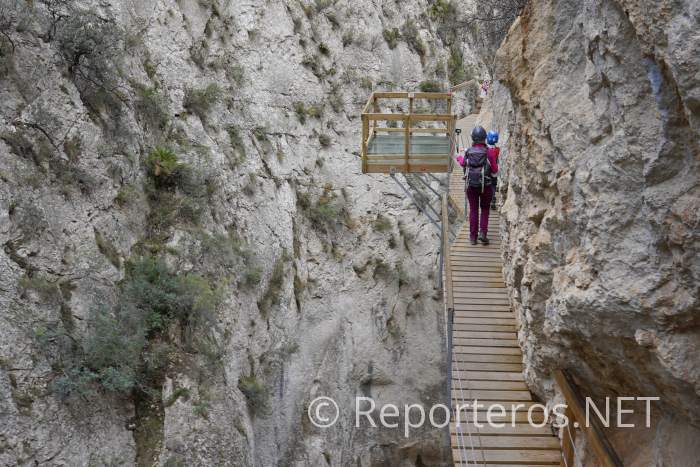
x=326, y=276
x=601, y=209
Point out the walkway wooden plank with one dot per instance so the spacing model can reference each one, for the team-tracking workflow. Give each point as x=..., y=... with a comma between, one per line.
x=489, y=319
x=517, y=417
x=491, y=375
x=466, y=404
x=487, y=364
x=470, y=349
x=510, y=442
x=479, y=327
x=488, y=316
x=519, y=429
x=466, y=342
x=483, y=334
x=497, y=384
x=494, y=394
x=483, y=308
x=518, y=456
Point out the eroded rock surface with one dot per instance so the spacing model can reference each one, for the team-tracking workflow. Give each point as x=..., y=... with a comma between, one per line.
x=327, y=276
x=602, y=203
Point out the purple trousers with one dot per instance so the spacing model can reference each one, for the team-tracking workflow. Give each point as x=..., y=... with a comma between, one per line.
x=478, y=199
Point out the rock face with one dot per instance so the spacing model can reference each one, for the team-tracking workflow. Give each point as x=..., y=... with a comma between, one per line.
x=324, y=277
x=602, y=205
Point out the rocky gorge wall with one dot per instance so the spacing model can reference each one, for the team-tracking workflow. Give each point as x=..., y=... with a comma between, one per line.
x=601, y=189
x=189, y=252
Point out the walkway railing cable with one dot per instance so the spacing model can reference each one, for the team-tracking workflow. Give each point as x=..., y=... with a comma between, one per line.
x=462, y=445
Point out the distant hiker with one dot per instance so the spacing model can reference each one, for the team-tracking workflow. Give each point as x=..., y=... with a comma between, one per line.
x=484, y=88
x=479, y=165
x=493, y=153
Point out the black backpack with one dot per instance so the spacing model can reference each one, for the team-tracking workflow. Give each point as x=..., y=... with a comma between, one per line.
x=477, y=168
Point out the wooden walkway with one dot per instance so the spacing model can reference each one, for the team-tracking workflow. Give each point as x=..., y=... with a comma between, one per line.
x=487, y=361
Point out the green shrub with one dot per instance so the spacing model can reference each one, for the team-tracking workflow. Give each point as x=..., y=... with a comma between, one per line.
x=333, y=19
x=308, y=10
x=223, y=253
x=440, y=69
x=126, y=195
x=260, y=134
x=152, y=106
x=201, y=408
x=92, y=47
x=300, y=110
x=162, y=162
x=348, y=38
x=200, y=101
x=381, y=223
x=178, y=393
x=108, y=249
x=323, y=48
x=236, y=73
x=430, y=86
x=273, y=292
x=455, y=66
x=410, y=33
x=446, y=14
x=335, y=98
x=324, y=140
x=314, y=111
x=252, y=276
x=391, y=36
x=325, y=212
x=73, y=148
x=256, y=393
x=128, y=348
x=175, y=192
x=46, y=290
x=237, y=146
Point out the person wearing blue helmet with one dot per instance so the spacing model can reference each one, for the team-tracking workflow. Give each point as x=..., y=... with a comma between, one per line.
x=494, y=152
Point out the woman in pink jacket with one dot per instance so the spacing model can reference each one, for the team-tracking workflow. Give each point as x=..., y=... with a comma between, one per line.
x=479, y=163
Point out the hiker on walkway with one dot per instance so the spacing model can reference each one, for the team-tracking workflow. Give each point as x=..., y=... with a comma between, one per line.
x=484, y=88
x=493, y=153
x=479, y=164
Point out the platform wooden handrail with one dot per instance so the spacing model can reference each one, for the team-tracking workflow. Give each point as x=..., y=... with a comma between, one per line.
x=576, y=412
x=442, y=123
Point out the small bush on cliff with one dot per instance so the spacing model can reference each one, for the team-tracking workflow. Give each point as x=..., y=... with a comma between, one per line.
x=93, y=49
x=391, y=36
x=327, y=212
x=381, y=223
x=430, y=86
x=325, y=140
x=175, y=191
x=200, y=101
x=256, y=393
x=127, y=348
x=410, y=33
x=153, y=108
x=273, y=292
x=455, y=66
x=108, y=249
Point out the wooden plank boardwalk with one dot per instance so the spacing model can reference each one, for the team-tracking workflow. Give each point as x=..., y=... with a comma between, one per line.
x=487, y=361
